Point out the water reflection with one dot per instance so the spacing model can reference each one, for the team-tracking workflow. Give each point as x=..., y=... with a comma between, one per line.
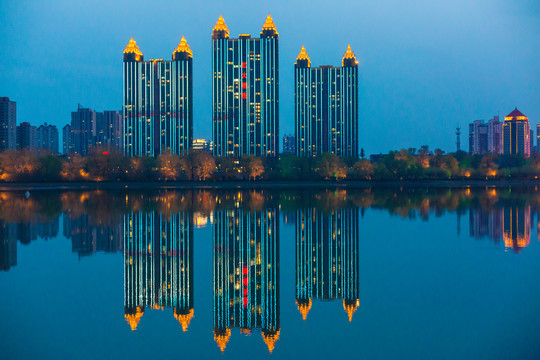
x=158, y=265
x=246, y=273
x=155, y=232
x=327, y=258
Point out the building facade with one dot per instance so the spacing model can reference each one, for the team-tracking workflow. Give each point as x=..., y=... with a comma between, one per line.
x=8, y=124
x=158, y=102
x=83, y=130
x=326, y=107
x=67, y=143
x=245, y=92
x=26, y=136
x=516, y=134
x=289, y=144
x=47, y=138
x=486, y=137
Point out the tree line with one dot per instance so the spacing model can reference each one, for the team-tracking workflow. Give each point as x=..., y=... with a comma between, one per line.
x=405, y=164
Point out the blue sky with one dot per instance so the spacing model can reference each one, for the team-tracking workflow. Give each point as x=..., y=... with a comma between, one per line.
x=425, y=66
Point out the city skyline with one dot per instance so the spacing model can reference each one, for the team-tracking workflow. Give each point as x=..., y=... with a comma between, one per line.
x=404, y=79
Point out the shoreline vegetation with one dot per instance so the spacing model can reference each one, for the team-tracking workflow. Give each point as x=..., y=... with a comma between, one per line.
x=104, y=168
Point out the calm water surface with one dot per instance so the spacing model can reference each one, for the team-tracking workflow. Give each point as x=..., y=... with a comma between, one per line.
x=312, y=273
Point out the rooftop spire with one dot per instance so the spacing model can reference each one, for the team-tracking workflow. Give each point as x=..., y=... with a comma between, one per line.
x=350, y=308
x=183, y=319
x=269, y=24
x=304, y=308
x=134, y=319
x=349, y=57
x=221, y=27
x=183, y=47
x=303, y=55
x=132, y=48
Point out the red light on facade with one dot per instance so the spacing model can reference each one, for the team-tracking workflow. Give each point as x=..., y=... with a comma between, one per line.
x=244, y=96
x=244, y=76
x=105, y=153
x=244, y=65
x=244, y=85
x=244, y=270
x=244, y=302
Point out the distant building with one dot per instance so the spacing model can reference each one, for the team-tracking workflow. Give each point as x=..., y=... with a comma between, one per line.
x=8, y=124
x=486, y=137
x=289, y=144
x=326, y=106
x=517, y=134
x=67, y=143
x=202, y=145
x=26, y=136
x=109, y=129
x=83, y=130
x=158, y=102
x=47, y=138
x=245, y=92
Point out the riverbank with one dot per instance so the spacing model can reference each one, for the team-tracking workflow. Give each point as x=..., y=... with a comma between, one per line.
x=20, y=186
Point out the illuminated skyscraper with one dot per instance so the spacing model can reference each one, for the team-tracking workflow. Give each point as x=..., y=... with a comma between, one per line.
x=327, y=258
x=158, y=265
x=326, y=106
x=246, y=274
x=516, y=133
x=158, y=102
x=245, y=92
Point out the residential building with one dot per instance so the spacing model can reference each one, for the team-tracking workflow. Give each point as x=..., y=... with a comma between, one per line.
x=289, y=144
x=516, y=134
x=326, y=106
x=47, y=138
x=158, y=102
x=26, y=136
x=83, y=130
x=486, y=137
x=8, y=124
x=202, y=145
x=67, y=140
x=245, y=92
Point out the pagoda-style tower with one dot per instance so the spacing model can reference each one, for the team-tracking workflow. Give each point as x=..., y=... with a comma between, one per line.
x=326, y=106
x=158, y=102
x=245, y=92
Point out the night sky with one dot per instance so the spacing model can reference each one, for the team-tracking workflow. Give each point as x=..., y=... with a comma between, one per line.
x=425, y=66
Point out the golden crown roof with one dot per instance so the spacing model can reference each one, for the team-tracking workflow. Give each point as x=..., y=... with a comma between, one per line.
x=183, y=47
x=303, y=55
x=132, y=48
x=348, y=55
x=221, y=26
x=269, y=24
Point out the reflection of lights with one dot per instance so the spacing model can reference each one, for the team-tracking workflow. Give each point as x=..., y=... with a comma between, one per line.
x=134, y=319
x=222, y=339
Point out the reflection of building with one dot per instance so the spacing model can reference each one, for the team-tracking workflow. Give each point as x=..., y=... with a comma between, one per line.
x=88, y=237
x=326, y=106
x=158, y=265
x=327, y=258
x=516, y=134
x=289, y=144
x=486, y=223
x=517, y=227
x=8, y=246
x=246, y=274
x=158, y=102
x=245, y=92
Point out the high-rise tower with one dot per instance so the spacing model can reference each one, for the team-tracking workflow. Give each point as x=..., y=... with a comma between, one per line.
x=245, y=92
x=158, y=102
x=516, y=134
x=326, y=106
